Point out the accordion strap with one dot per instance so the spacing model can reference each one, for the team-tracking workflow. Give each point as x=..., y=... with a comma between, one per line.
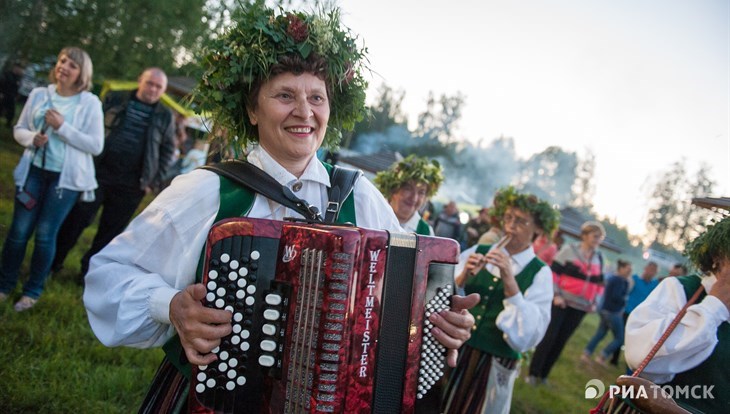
x=258, y=181
x=342, y=182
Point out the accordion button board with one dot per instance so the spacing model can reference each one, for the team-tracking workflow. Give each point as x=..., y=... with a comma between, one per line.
x=324, y=318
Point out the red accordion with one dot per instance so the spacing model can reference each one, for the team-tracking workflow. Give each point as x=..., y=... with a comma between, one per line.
x=326, y=319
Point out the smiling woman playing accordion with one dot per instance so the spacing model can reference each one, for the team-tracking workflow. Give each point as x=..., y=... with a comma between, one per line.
x=284, y=83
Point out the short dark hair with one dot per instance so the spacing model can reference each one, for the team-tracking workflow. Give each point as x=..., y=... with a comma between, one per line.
x=680, y=266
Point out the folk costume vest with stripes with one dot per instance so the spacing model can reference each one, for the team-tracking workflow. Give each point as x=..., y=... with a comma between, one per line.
x=486, y=336
x=713, y=371
x=237, y=201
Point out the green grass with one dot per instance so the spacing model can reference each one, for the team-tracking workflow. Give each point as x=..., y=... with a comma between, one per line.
x=51, y=362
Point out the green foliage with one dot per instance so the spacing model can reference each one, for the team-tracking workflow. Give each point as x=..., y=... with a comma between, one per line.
x=51, y=361
x=260, y=38
x=121, y=36
x=411, y=169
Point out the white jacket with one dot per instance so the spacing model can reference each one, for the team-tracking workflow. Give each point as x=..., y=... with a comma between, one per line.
x=84, y=137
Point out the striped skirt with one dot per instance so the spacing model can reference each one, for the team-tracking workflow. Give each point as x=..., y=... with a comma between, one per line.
x=466, y=392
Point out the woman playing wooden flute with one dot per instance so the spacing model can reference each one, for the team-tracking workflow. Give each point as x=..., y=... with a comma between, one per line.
x=514, y=312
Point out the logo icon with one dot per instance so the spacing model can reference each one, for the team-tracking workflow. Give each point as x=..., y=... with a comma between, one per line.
x=290, y=253
x=594, y=389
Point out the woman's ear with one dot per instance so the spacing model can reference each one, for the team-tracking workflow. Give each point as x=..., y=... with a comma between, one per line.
x=252, y=116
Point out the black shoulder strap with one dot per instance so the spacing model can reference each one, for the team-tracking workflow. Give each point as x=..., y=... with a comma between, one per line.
x=258, y=181
x=342, y=182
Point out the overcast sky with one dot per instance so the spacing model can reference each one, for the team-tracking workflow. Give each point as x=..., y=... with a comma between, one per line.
x=642, y=83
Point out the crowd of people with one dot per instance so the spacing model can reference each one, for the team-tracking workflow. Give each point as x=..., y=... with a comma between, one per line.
x=522, y=287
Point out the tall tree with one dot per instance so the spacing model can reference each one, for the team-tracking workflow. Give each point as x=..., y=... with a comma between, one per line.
x=550, y=175
x=584, y=187
x=478, y=170
x=692, y=219
x=672, y=219
x=665, y=201
x=441, y=117
x=121, y=36
x=384, y=113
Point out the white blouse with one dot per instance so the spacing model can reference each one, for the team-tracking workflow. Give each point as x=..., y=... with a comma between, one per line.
x=693, y=340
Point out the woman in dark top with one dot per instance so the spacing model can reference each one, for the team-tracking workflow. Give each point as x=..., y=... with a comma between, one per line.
x=611, y=313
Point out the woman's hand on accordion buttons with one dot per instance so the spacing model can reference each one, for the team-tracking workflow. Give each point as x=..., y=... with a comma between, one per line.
x=452, y=328
x=200, y=328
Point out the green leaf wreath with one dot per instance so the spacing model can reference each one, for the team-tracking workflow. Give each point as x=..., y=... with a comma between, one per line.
x=547, y=218
x=411, y=168
x=258, y=39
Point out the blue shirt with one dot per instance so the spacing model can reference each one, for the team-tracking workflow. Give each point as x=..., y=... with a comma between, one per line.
x=55, y=149
x=641, y=290
x=614, y=297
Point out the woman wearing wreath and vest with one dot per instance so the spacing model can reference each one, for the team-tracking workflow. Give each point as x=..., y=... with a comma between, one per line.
x=516, y=291
x=407, y=185
x=696, y=356
x=141, y=290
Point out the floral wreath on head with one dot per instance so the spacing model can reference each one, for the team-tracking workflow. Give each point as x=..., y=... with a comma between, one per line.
x=546, y=217
x=260, y=38
x=411, y=168
x=711, y=246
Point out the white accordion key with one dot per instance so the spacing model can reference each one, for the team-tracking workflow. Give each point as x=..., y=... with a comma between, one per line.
x=268, y=329
x=271, y=314
x=273, y=299
x=268, y=345
x=266, y=361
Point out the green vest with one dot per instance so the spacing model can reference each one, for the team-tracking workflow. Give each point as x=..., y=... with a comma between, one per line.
x=486, y=336
x=715, y=370
x=237, y=201
x=423, y=228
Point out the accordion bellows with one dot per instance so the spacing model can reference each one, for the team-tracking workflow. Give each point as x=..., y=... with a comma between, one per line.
x=326, y=319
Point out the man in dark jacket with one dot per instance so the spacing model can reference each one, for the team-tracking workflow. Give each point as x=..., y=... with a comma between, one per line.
x=138, y=151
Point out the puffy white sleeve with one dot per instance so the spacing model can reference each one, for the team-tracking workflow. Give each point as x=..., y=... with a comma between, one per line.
x=526, y=315
x=131, y=282
x=689, y=345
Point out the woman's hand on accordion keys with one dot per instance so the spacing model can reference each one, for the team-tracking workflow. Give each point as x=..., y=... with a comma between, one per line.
x=200, y=328
x=453, y=327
